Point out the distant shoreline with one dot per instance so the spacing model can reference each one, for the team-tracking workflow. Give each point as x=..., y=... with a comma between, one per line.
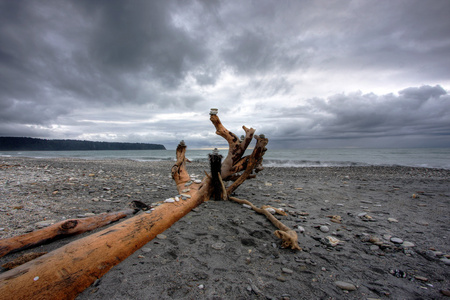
x=35, y=144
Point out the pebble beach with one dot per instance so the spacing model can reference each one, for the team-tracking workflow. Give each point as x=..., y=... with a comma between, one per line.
x=367, y=232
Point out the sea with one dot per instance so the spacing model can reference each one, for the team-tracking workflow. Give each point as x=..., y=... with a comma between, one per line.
x=417, y=157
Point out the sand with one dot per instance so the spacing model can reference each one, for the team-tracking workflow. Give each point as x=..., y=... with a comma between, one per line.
x=393, y=235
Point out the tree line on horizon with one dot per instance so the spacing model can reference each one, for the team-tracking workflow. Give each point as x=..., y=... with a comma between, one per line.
x=36, y=144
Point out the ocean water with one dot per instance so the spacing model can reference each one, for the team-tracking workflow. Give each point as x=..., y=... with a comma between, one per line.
x=421, y=157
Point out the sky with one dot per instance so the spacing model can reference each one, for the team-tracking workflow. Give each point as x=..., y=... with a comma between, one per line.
x=307, y=74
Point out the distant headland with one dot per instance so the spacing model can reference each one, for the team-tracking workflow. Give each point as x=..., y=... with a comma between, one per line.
x=34, y=144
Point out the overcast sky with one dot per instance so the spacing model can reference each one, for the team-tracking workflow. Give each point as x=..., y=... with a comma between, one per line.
x=307, y=74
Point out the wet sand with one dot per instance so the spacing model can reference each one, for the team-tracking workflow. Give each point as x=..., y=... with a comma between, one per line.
x=393, y=236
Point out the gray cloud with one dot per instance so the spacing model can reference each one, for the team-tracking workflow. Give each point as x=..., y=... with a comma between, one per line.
x=420, y=113
x=126, y=70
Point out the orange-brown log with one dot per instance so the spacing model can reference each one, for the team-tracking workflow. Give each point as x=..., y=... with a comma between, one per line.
x=287, y=235
x=236, y=147
x=254, y=160
x=179, y=172
x=59, y=230
x=67, y=271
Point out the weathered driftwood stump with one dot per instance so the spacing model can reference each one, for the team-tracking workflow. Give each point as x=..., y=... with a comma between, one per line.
x=67, y=271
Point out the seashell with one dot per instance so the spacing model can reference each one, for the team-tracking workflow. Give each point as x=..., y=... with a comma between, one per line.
x=332, y=241
x=170, y=200
x=335, y=219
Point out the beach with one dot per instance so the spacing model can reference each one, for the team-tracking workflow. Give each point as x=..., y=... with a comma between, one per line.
x=392, y=234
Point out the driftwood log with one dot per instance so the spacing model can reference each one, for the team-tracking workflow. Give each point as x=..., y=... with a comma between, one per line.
x=67, y=271
x=59, y=230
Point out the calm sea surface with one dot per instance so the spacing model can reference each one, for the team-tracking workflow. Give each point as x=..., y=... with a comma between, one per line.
x=430, y=158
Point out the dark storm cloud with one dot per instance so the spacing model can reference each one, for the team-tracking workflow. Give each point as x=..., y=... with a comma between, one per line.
x=60, y=52
x=416, y=112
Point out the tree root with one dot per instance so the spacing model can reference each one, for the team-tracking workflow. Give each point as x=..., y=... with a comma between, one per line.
x=287, y=235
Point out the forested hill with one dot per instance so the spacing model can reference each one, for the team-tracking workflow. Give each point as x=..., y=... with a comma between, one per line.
x=33, y=144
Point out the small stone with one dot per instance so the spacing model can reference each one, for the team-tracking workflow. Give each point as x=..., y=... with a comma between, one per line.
x=45, y=223
x=197, y=181
x=185, y=190
x=421, y=278
x=445, y=260
x=146, y=250
x=141, y=256
x=267, y=184
x=170, y=200
x=406, y=244
x=422, y=223
x=201, y=286
x=392, y=220
x=247, y=206
x=300, y=229
x=398, y=273
x=445, y=292
x=2, y=229
x=396, y=240
x=271, y=210
x=330, y=241
x=387, y=237
x=95, y=199
x=218, y=246
x=374, y=239
x=336, y=219
x=36, y=278
x=374, y=247
x=161, y=236
x=281, y=278
x=324, y=228
x=287, y=271
x=345, y=286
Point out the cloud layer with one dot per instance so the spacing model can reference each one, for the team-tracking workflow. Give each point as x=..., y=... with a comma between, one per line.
x=333, y=74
